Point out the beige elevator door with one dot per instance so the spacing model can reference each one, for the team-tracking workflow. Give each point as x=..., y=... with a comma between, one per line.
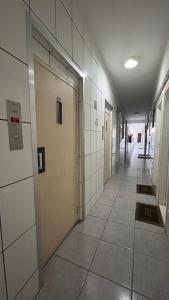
x=107, y=144
x=58, y=185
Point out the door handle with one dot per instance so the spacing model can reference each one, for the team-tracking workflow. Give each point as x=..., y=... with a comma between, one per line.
x=41, y=159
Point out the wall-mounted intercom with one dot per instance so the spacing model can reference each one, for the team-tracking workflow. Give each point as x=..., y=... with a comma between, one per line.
x=14, y=125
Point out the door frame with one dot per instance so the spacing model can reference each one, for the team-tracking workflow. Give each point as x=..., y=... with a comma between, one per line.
x=110, y=109
x=31, y=26
x=161, y=102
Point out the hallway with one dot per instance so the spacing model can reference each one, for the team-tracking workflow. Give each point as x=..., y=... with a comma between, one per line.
x=110, y=255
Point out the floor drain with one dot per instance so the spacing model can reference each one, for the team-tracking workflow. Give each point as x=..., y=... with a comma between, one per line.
x=145, y=189
x=149, y=214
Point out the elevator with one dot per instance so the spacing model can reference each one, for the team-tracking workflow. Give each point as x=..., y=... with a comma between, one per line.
x=57, y=142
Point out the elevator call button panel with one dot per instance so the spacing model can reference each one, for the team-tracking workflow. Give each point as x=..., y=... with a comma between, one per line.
x=14, y=125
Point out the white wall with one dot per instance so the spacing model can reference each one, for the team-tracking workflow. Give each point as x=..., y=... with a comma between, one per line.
x=17, y=209
x=163, y=70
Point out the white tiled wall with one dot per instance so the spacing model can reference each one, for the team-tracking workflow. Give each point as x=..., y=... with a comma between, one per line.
x=2, y=280
x=21, y=253
x=16, y=165
x=15, y=200
x=17, y=205
x=14, y=85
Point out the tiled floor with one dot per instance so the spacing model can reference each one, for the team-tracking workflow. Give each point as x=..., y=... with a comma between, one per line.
x=110, y=256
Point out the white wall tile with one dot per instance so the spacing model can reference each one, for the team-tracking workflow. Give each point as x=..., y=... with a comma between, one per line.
x=2, y=280
x=0, y=241
x=87, y=111
x=93, y=118
x=94, y=70
x=93, y=141
x=13, y=85
x=93, y=184
x=87, y=37
x=58, y=67
x=93, y=94
x=21, y=262
x=87, y=166
x=93, y=163
x=31, y=288
x=63, y=27
x=45, y=10
x=87, y=143
x=87, y=61
x=40, y=51
x=17, y=210
x=77, y=48
x=13, y=28
x=87, y=90
x=16, y=165
x=76, y=16
x=68, y=5
x=98, y=159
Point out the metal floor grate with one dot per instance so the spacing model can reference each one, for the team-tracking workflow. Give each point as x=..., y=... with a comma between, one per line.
x=149, y=214
x=145, y=189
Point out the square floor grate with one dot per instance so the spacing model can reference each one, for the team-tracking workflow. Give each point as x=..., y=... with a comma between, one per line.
x=149, y=214
x=145, y=189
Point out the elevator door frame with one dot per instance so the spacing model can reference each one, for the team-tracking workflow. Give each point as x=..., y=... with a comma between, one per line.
x=31, y=26
x=77, y=159
x=109, y=108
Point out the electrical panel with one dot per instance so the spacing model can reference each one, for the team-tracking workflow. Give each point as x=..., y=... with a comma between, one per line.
x=14, y=125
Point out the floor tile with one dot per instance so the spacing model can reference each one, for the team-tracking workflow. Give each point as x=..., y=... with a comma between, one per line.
x=153, y=244
x=119, y=234
x=125, y=216
x=125, y=203
x=114, y=263
x=98, y=288
x=110, y=193
x=100, y=211
x=92, y=226
x=149, y=227
x=128, y=189
x=112, y=186
x=136, y=296
x=151, y=277
x=62, y=280
x=142, y=198
x=78, y=248
x=106, y=200
x=127, y=195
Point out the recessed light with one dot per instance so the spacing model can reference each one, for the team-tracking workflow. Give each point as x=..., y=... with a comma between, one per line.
x=131, y=63
x=136, y=113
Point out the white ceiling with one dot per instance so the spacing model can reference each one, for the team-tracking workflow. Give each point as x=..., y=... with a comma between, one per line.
x=125, y=28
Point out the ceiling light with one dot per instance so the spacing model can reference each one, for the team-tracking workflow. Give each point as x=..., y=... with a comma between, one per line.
x=131, y=63
x=136, y=113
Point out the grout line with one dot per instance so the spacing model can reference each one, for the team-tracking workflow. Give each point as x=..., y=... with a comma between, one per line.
x=14, y=182
x=9, y=245
x=3, y=258
x=94, y=255
x=12, y=55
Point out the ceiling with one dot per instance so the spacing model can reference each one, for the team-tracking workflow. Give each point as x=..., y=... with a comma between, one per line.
x=125, y=28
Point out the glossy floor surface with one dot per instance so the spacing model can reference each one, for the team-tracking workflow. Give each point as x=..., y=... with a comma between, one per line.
x=110, y=255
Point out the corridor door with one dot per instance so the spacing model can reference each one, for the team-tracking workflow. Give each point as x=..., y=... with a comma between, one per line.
x=58, y=185
x=107, y=144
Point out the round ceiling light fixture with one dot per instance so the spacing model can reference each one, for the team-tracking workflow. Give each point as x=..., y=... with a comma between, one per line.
x=131, y=63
